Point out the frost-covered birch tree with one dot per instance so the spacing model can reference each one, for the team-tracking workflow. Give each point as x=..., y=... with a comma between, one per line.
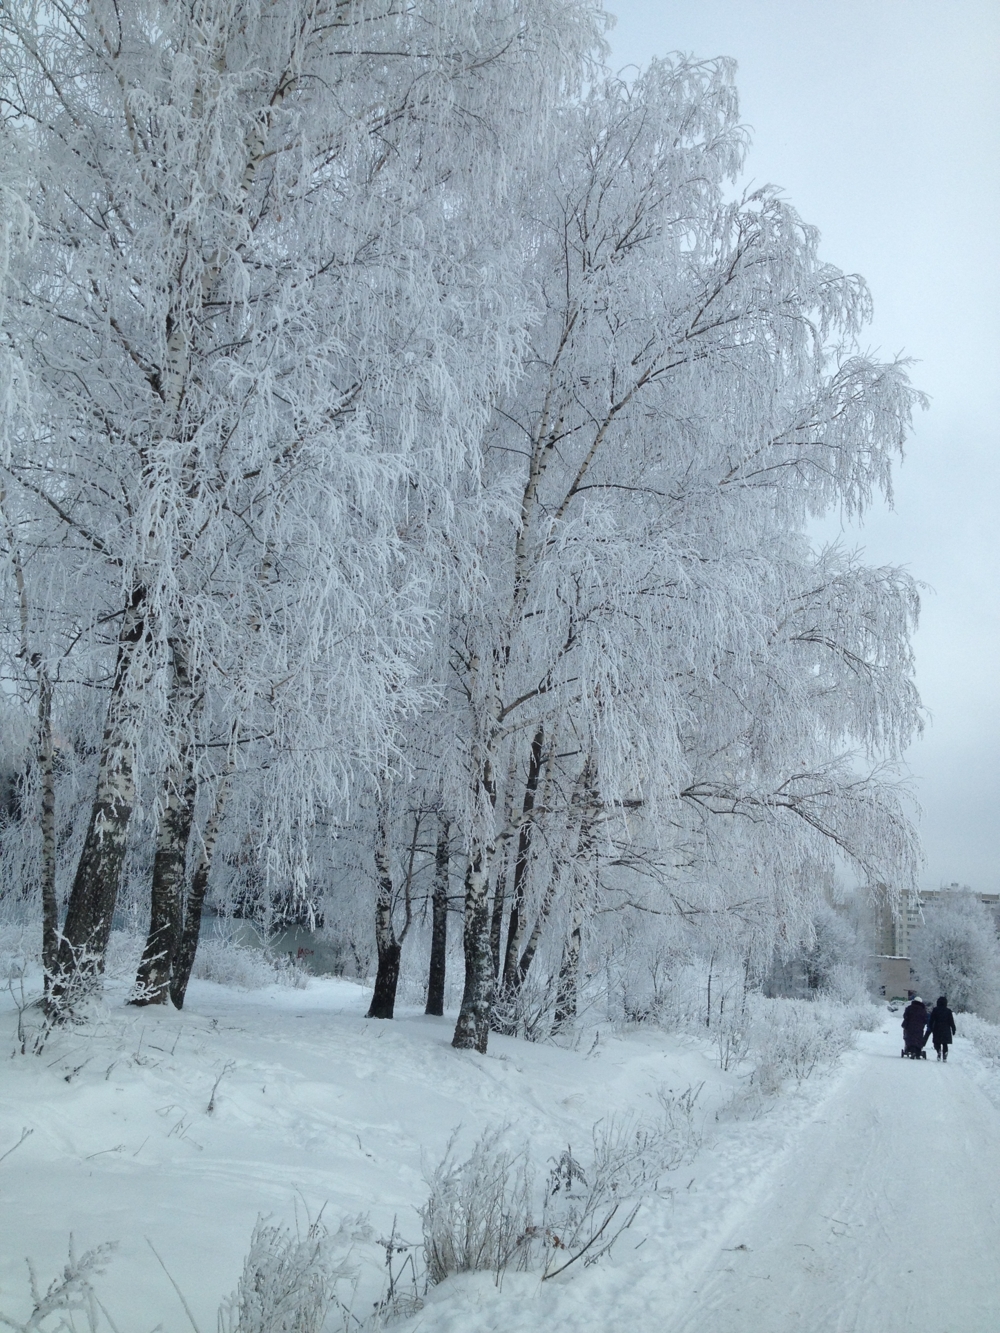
x=692, y=393
x=956, y=953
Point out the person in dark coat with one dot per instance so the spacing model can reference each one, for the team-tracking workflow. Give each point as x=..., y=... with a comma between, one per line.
x=915, y=1024
x=941, y=1023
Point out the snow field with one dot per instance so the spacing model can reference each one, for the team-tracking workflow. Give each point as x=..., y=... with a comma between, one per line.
x=317, y=1108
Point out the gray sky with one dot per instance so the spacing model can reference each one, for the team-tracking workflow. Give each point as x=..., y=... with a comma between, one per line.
x=881, y=121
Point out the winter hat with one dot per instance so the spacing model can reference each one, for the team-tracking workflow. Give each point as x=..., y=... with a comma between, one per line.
x=917, y=999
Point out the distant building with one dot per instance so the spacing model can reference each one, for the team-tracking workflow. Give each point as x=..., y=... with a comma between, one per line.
x=893, y=977
x=894, y=924
x=893, y=919
x=991, y=901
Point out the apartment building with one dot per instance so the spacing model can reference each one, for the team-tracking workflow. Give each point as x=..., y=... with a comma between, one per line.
x=895, y=923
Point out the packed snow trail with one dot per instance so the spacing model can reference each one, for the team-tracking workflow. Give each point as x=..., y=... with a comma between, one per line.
x=882, y=1216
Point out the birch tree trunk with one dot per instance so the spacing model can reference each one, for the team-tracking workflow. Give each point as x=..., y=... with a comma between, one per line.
x=46, y=765
x=472, y=1030
x=166, y=917
x=569, y=969
x=516, y=923
x=152, y=982
x=184, y=954
x=439, y=924
x=84, y=941
x=531, y=947
x=567, y=986
x=44, y=756
x=496, y=914
x=389, y=947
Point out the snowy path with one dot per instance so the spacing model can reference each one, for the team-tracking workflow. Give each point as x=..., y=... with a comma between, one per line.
x=882, y=1216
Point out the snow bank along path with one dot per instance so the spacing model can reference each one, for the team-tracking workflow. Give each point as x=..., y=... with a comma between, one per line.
x=882, y=1216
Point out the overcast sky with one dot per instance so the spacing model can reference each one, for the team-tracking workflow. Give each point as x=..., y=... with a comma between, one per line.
x=881, y=121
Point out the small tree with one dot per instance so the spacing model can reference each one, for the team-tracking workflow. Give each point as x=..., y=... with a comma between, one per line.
x=829, y=958
x=956, y=953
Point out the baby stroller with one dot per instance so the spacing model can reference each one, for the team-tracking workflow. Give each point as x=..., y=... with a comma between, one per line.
x=914, y=1030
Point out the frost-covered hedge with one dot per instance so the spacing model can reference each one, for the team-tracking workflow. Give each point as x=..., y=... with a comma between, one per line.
x=984, y=1036
x=218, y=959
x=779, y=1042
x=791, y=1039
x=249, y=969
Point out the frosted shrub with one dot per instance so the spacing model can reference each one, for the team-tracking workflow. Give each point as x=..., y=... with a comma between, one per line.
x=793, y=1038
x=478, y=1214
x=71, y=1293
x=288, y=972
x=527, y=1012
x=847, y=984
x=588, y=1206
x=231, y=964
x=289, y=1282
x=488, y=1213
x=665, y=991
x=984, y=1036
x=218, y=959
x=865, y=1017
x=16, y=954
x=123, y=954
x=732, y=1032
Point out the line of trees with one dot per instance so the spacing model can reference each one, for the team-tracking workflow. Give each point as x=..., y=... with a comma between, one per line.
x=409, y=442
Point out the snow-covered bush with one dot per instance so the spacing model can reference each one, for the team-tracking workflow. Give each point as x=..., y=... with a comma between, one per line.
x=794, y=1038
x=865, y=1016
x=646, y=973
x=527, y=1012
x=847, y=983
x=834, y=945
x=123, y=954
x=71, y=1293
x=232, y=964
x=218, y=959
x=489, y=1212
x=956, y=953
x=984, y=1036
x=16, y=953
x=478, y=1215
x=732, y=1031
x=289, y=1282
x=588, y=1205
x=828, y=959
x=670, y=991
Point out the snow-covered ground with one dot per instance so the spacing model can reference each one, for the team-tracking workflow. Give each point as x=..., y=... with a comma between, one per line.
x=865, y=1199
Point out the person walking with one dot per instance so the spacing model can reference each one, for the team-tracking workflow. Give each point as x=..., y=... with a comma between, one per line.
x=941, y=1025
x=914, y=1028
